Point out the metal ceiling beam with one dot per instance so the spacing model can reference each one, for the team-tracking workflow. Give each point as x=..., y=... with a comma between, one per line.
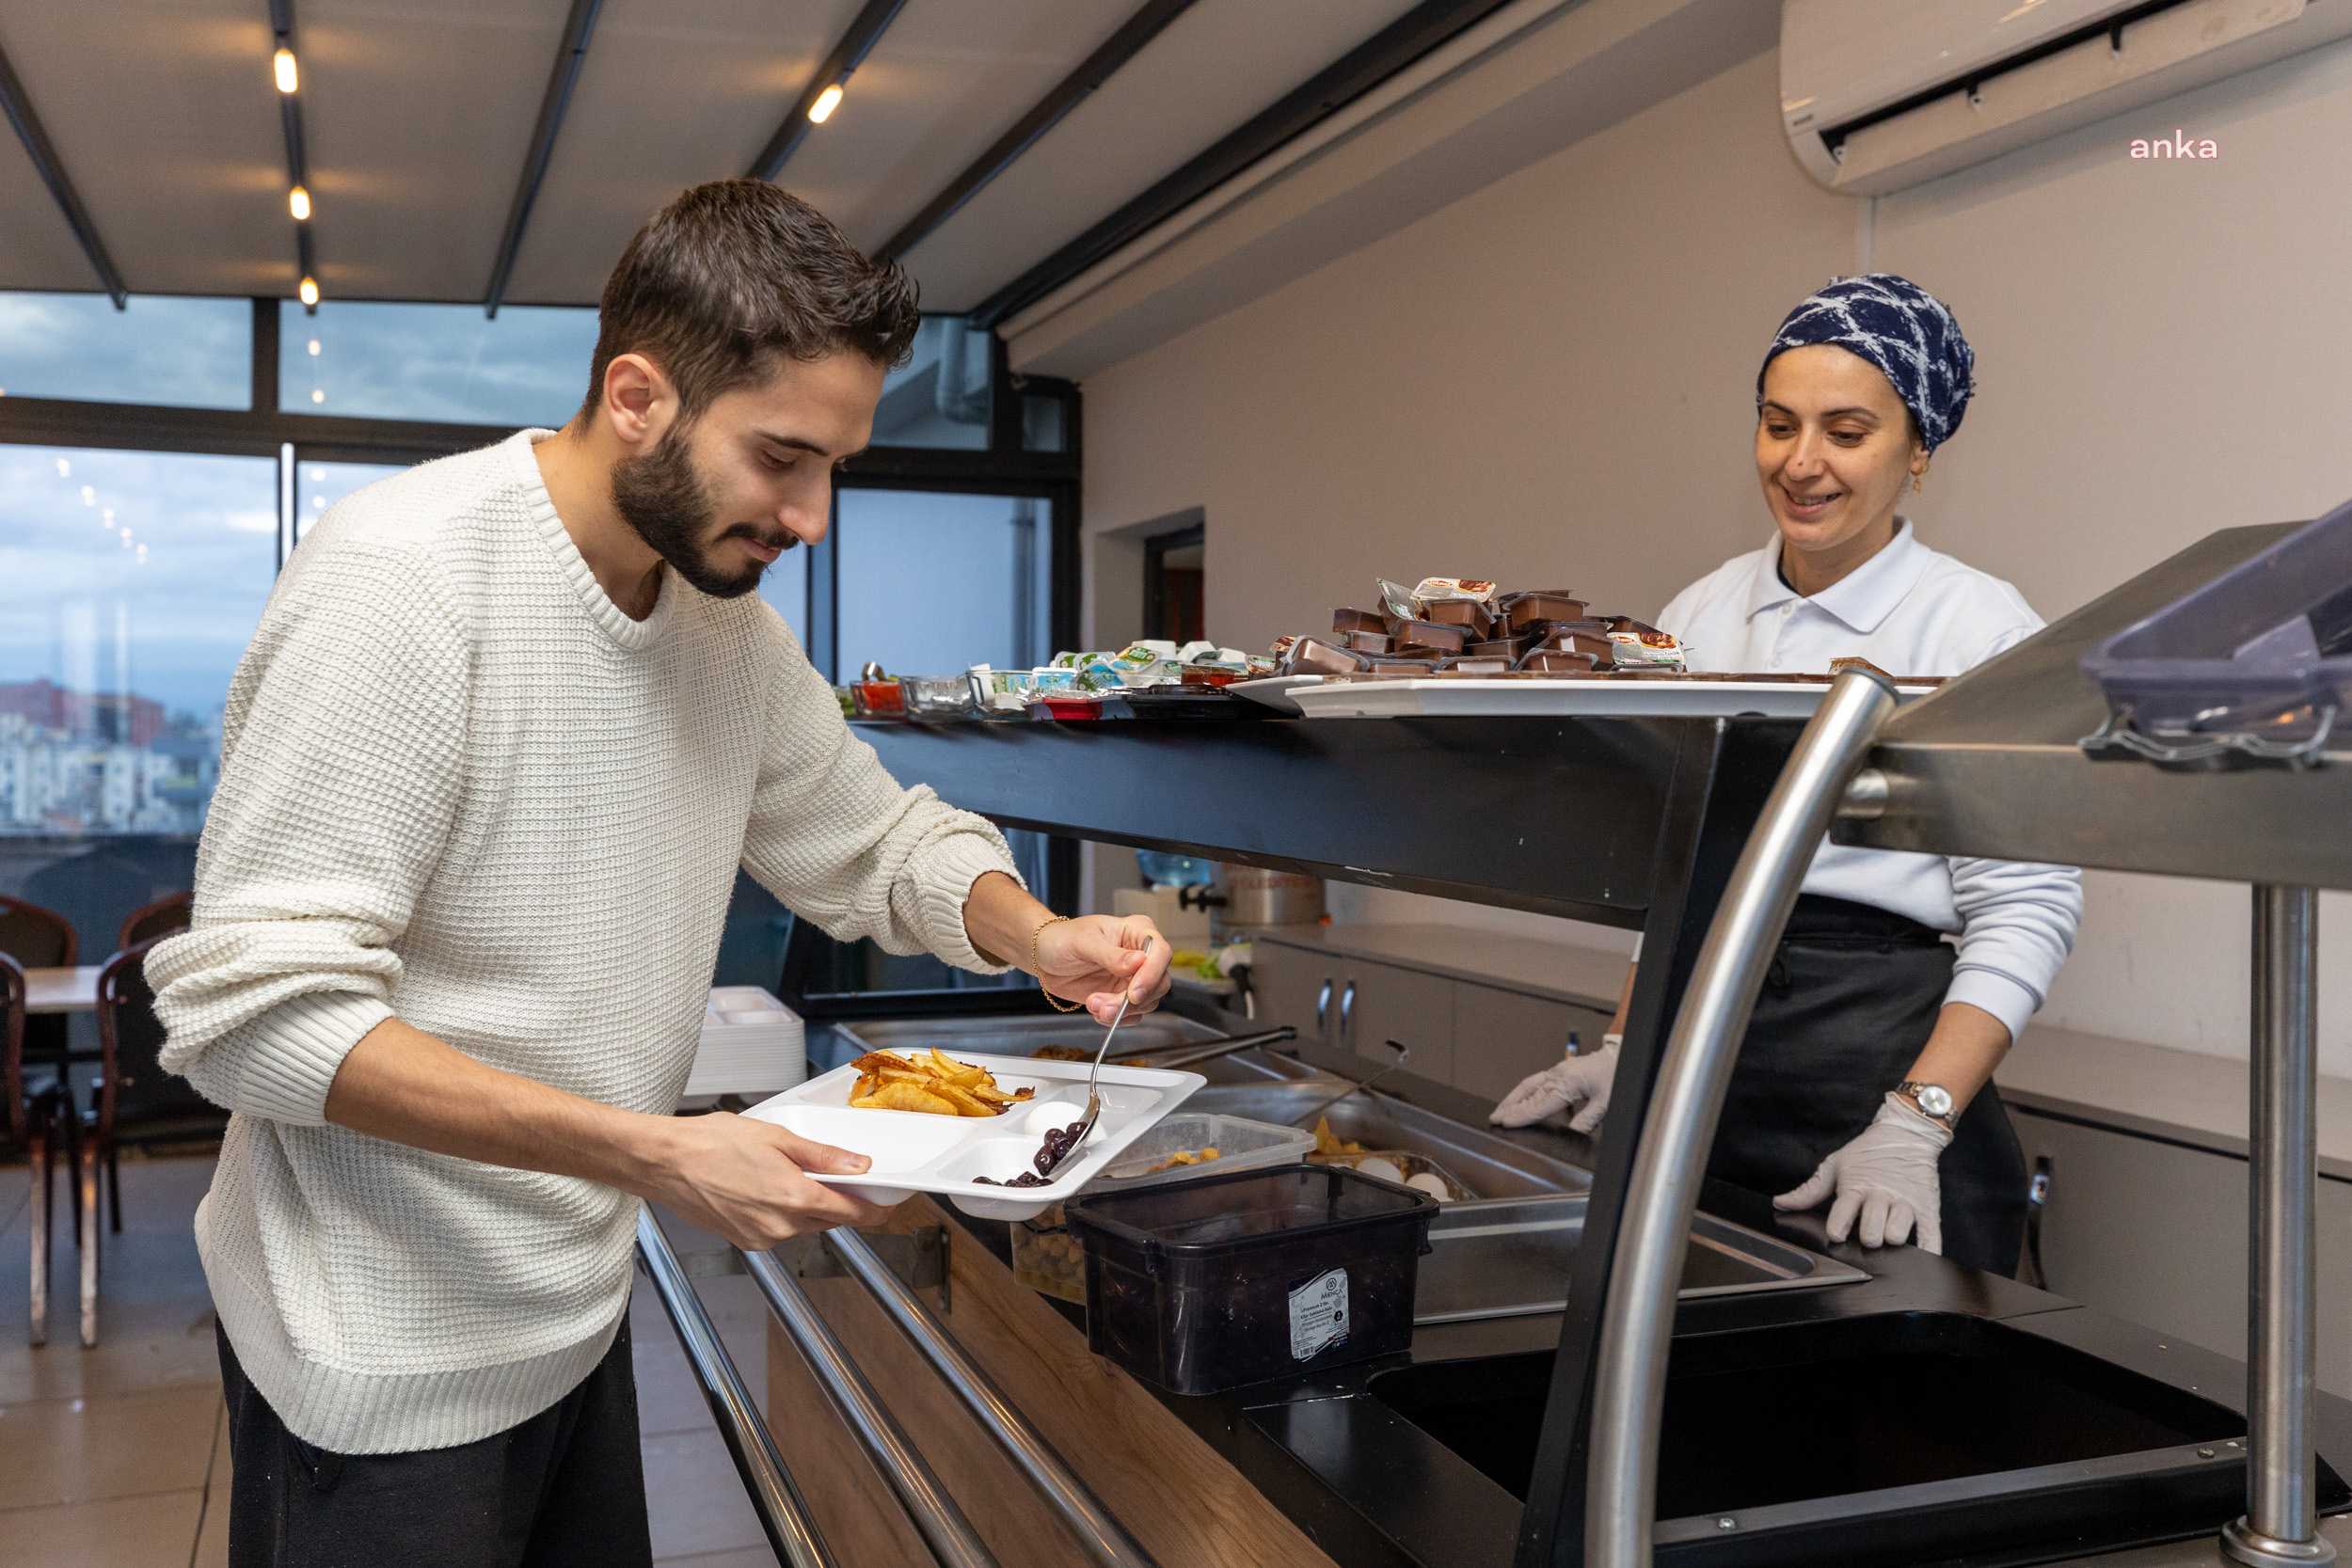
x=1120, y=47
x=281, y=25
x=1429, y=25
x=577, y=28
x=18, y=108
x=864, y=32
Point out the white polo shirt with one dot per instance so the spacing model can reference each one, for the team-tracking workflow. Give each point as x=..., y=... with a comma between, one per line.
x=1911, y=611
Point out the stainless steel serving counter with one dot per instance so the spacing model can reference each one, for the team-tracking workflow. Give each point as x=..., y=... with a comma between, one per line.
x=1389, y=1462
x=1923, y=1413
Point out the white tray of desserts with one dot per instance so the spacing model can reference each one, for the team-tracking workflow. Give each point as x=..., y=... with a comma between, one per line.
x=1567, y=696
x=915, y=1151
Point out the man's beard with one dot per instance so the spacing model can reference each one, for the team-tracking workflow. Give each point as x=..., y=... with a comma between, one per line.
x=661, y=497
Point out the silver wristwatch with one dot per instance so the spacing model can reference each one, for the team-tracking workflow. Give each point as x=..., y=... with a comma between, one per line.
x=1933, y=1100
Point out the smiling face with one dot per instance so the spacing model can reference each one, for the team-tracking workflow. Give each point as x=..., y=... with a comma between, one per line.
x=721, y=496
x=1833, y=449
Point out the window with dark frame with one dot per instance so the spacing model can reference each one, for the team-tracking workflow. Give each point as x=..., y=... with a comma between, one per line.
x=89, y=387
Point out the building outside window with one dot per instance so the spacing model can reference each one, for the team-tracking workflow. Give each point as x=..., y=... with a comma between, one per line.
x=134, y=581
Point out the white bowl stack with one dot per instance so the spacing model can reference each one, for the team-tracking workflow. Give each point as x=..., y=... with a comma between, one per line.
x=752, y=1044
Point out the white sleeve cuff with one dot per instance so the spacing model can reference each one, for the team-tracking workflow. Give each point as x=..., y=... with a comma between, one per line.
x=1997, y=994
x=281, y=1065
x=949, y=867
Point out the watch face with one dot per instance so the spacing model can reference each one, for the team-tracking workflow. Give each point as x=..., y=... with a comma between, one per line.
x=1935, y=1100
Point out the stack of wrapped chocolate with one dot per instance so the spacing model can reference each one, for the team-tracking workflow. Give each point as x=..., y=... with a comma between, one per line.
x=1460, y=626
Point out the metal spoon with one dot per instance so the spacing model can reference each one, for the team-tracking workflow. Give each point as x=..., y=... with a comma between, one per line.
x=1094, y=1100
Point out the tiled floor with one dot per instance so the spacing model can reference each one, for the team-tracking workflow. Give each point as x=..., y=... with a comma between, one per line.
x=115, y=1457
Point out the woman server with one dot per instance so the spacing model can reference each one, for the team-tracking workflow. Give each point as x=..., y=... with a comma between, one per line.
x=1866, y=1077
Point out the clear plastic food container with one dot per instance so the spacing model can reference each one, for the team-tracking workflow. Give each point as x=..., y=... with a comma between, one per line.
x=937, y=696
x=879, y=698
x=1240, y=1144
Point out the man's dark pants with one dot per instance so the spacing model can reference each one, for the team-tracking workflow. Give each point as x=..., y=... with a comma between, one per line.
x=565, y=1488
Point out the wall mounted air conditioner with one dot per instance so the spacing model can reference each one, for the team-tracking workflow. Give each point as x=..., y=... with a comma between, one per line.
x=1877, y=95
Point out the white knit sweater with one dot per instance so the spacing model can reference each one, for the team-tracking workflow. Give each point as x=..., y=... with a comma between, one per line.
x=457, y=784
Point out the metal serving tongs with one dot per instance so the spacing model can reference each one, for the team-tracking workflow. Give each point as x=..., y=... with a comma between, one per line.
x=1085, y=1129
x=1180, y=1053
x=1363, y=1086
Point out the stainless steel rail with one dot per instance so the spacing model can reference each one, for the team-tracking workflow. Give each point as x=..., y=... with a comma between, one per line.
x=1637, y=1326
x=2280, y=1525
x=1097, y=1532
x=936, y=1517
x=782, y=1511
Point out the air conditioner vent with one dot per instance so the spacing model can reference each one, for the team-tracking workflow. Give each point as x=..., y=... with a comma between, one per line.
x=1879, y=95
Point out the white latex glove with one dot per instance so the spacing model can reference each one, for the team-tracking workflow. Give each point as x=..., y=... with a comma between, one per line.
x=1887, y=1175
x=1581, y=1080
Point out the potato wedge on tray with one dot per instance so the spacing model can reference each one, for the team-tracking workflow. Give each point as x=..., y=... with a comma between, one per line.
x=929, y=1083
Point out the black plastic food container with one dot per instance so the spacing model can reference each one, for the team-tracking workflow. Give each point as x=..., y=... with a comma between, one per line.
x=1208, y=1285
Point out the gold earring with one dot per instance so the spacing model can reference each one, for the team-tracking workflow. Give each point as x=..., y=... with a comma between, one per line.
x=1916, y=487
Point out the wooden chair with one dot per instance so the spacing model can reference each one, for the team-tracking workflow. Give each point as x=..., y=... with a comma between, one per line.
x=39, y=938
x=133, y=1101
x=32, y=1119
x=163, y=918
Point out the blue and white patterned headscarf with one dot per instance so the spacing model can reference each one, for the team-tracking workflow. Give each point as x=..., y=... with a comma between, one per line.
x=1907, y=333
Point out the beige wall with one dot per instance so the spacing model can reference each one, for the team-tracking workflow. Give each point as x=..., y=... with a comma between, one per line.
x=1549, y=382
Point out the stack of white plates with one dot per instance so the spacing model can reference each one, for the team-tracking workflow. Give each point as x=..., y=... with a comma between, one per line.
x=752, y=1044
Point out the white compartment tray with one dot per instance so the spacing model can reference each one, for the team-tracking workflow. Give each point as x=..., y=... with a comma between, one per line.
x=751, y=1044
x=913, y=1152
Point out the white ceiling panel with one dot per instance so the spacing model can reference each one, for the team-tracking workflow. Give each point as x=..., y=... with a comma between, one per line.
x=946, y=81
x=37, y=247
x=1214, y=68
x=673, y=92
x=417, y=115
x=164, y=117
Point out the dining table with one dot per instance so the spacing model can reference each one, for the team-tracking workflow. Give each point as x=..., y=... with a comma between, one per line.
x=72, y=989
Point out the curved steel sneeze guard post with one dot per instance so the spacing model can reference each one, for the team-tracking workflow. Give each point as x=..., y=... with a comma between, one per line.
x=1661, y=1193
x=782, y=1511
x=941, y=1523
x=1092, y=1525
x=2281, y=1526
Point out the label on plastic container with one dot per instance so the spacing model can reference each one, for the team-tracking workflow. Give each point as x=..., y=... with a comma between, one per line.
x=1318, y=1314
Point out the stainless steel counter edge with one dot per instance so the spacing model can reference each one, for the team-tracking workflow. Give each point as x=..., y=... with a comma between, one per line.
x=2183, y=1097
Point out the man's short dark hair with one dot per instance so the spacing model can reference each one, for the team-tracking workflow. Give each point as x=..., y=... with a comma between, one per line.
x=731, y=276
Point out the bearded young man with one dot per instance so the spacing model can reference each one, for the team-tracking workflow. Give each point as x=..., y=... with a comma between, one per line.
x=510, y=723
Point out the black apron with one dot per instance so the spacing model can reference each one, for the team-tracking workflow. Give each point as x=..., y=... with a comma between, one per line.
x=1848, y=1005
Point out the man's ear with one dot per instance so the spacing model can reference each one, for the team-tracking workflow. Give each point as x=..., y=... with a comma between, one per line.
x=638, y=398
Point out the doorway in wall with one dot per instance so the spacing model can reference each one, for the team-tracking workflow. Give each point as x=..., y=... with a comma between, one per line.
x=1173, y=603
